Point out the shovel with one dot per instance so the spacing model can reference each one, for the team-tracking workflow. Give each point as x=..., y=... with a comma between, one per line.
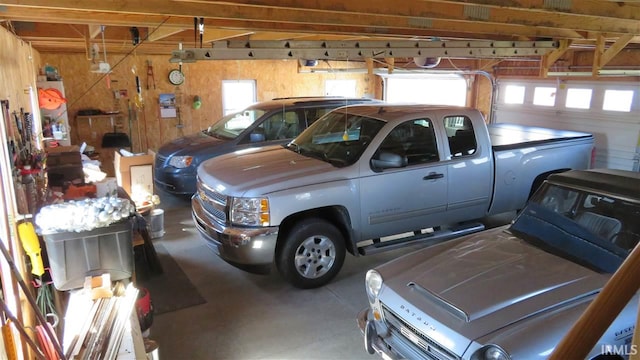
x=115, y=139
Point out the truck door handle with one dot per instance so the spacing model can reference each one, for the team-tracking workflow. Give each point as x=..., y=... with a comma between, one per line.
x=433, y=176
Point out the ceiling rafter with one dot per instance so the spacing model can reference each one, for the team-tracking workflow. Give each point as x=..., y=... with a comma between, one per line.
x=599, y=8
x=583, y=24
x=396, y=15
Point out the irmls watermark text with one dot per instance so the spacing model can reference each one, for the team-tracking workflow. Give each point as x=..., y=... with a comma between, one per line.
x=626, y=349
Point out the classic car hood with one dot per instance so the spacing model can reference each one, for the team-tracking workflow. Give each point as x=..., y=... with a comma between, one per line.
x=488, y=281
x=190, y=145
x=264, y=170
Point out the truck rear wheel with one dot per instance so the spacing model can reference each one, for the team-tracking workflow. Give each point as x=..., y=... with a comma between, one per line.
x=312, y=254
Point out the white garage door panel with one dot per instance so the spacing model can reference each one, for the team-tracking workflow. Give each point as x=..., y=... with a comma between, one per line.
x=617, y=133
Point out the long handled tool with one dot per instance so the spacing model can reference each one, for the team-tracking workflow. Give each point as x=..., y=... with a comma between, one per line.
x=31, y=300
x=21, y=330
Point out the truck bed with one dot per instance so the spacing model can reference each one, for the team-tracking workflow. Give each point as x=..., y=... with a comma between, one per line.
x=505, y=136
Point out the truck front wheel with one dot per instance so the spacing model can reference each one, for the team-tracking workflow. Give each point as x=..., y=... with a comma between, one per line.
x=312, y=254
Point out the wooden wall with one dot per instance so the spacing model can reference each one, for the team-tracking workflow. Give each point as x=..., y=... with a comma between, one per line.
x=17, y=75
x=18, y=64
x=84, y=89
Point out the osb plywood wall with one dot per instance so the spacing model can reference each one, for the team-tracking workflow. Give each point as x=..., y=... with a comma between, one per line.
x=17, y=71
x=85, y=89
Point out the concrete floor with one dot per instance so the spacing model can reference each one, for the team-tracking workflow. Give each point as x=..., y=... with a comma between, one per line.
x=250, y=316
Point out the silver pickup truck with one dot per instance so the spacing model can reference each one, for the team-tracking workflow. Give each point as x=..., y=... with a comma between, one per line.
x=366, y=178
x=513, y=292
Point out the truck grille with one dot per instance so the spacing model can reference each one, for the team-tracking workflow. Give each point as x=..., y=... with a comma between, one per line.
x=213, y=202
x=430, y=348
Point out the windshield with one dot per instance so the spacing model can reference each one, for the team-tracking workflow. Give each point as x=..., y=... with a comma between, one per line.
x=338, y=138
x=232, y=125
x=593, y=229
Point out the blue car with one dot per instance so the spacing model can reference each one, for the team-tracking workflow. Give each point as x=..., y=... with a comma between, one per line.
x=266, y=123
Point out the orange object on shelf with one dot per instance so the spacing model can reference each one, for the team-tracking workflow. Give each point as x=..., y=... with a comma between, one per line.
x=74, y=192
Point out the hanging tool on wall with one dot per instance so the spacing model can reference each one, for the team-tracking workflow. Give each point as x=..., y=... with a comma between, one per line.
x=135, y=35
x=201, y=30
x=31, y=300
x=7, y=335
x=31, y=246
x=195, y=32
x=138, y=99
x=150, y=74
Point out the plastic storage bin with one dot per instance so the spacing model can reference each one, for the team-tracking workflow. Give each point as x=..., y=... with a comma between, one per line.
x=75, y=255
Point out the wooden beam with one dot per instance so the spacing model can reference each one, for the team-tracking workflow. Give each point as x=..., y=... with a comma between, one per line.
x=604, y=9
x=390, y=64
x=398, y=14
x=597, y=56
x=94, y=30
x=614, y=49
x=211, y=35
x=164, y=31
x=549, y=59
x=152, y=21
x=594, y=321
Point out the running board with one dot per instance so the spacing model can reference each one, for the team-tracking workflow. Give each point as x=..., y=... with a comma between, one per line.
x=425, y=239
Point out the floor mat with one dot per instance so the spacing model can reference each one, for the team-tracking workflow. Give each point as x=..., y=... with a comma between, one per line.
x=170, y=288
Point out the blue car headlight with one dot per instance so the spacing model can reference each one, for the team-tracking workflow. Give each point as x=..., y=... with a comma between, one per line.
x=181, y=162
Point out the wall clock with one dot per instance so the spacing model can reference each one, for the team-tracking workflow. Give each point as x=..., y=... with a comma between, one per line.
x=176, y=77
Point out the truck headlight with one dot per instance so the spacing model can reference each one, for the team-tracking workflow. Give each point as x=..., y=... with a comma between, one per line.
x=373, y=284
x=250, y=211
x=181, y=162
x=490, y=352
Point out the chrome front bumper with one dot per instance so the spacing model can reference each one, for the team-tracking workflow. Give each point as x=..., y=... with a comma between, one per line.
x=247, y=248
x=388, y=347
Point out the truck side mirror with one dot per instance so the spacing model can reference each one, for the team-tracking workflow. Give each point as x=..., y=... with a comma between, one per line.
x=388, y=160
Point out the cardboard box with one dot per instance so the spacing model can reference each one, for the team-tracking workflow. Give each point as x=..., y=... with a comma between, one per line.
x=64, y=165
x=59, y=149
x=107, y=187
x=135, y=174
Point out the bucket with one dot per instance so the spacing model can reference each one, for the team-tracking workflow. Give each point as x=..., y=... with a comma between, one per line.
x=156, y=223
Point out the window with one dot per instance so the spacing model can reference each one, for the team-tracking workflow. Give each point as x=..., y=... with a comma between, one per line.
x=578, y=98
x=514, y=94
x=237, y=95
x=544, y=96
x=617, y=100
x=346, y=88
x=280, y=126
x=313, y=114
x=427, y=90
x=462, y=138
x=414, y=140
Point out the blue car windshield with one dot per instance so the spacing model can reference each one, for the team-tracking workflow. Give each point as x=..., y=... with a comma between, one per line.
x=593, y=229
x=232, y=125
x=338, y=138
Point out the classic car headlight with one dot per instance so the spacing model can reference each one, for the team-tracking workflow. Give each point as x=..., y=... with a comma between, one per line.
x=373, y=284
x=490, y=352
x=250, y=211
x=181, y=162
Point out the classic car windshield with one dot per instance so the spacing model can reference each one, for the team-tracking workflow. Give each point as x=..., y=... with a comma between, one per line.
x=338, y=138
x=230, y=126
x=593, y=229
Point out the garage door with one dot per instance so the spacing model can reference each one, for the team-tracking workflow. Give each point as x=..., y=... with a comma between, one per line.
x=609, y=110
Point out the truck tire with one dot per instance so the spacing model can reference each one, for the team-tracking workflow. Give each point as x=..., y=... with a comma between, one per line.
x=312, y=254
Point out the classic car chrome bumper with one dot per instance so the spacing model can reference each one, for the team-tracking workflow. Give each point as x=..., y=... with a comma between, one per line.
x=250, y=249
x=389, y=347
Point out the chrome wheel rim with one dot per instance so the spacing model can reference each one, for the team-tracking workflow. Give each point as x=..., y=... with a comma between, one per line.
x=315, y=256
